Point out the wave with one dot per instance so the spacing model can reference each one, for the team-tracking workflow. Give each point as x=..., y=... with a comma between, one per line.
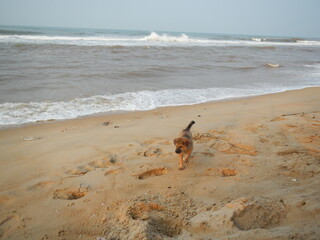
x=19, y=113
x=153, y=39
x=258, y=39
x=298, y=41
x=166, y=38
x=308, y=42
x=276, y=39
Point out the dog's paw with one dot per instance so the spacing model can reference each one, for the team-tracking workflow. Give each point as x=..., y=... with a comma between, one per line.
x=181, y=168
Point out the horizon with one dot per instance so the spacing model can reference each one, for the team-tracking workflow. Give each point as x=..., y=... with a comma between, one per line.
x=248, y=17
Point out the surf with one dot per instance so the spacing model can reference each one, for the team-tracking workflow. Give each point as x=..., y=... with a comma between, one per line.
x=20, y=113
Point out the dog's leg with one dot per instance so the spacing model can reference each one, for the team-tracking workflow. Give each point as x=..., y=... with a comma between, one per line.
x=181, y=167
x=186, y=160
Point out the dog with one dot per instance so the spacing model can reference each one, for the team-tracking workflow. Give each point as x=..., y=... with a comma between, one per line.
x=184, y=145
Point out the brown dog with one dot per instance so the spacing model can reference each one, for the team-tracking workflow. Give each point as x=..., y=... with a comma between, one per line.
x=184, y=145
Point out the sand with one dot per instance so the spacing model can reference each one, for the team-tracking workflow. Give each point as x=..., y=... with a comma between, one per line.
x=254, y=173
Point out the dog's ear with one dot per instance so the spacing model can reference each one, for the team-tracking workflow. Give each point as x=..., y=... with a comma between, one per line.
x=186, y=142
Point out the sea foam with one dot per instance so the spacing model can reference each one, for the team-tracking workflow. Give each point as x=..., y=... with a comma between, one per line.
x=166, y=38
x=153, y=39
x=19, y=113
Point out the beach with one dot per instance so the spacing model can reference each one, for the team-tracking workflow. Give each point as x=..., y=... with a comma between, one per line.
x=254, y=173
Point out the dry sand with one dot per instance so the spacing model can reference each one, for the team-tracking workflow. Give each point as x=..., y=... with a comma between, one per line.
x=254, y=173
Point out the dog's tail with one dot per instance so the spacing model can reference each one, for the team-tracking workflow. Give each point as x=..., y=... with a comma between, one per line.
x=189, y=126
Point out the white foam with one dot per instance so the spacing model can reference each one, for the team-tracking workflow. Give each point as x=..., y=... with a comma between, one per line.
x=19, y=113
x=153, y=39
x=258, y=39
x=166, y=38
x=308, y=43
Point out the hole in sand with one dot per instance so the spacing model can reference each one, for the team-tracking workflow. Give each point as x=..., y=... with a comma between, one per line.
x=139, y=210
x=70, y=193
x=157, y=224
x=258, y=216
x=153, y=172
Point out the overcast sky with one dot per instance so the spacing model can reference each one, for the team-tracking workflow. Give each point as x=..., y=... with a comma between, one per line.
x=255, y=17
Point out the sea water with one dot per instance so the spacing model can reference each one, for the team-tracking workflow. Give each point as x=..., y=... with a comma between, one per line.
x=62, y=73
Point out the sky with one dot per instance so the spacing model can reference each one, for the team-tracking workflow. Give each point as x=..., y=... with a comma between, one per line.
x=296, y=18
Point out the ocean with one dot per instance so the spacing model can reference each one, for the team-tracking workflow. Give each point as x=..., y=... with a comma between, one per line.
x=62, y=73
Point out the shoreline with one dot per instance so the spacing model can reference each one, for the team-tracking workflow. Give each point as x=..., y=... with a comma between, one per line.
x=254, y=171
x=123, y=112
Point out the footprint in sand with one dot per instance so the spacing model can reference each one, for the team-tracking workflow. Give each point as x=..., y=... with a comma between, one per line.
x=80, y=170
x=7, y=224
x=108, y=161
x=70, y=193
x=299, y=163
x=234, y=148
x=160, y=141
x=114, y=170
x=203, y=137
x=150, y=152
x=310, y=139
x=291, y=151
x=226, y=172
x=40, y=185
x=253, y=128
x=206, y=154
x=223, y=172
x=152, y=172
x=4, y=199
x=278, y=119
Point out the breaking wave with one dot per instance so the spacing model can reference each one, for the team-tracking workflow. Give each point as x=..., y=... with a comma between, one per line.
x=19, y=113
x=166, y=38
x=153, y=39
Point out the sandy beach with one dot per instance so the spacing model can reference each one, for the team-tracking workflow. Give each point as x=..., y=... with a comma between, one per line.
x=254, y=173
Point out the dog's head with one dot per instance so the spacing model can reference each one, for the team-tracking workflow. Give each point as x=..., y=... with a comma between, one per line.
x=182, y=144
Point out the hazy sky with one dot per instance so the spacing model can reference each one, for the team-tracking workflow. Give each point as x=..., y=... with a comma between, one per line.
x=256, y=17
